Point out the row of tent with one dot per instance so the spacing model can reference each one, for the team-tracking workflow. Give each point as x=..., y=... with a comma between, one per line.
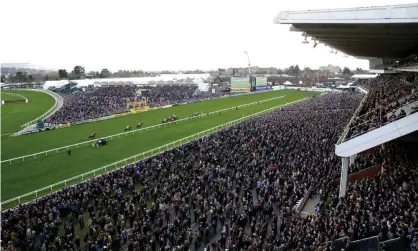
x=198, y=79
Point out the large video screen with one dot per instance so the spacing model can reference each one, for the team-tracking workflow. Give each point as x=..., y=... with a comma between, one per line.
x=240, y=82
x=261, y=81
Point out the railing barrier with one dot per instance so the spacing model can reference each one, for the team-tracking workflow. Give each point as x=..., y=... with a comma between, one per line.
x=85, y=143
x=16, y=95
x=45, y=114
x=150, y=153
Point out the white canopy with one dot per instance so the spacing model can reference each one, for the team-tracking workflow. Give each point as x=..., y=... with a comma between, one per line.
x=364, y=76
x=196, y=78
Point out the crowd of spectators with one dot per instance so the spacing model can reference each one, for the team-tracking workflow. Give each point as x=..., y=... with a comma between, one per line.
x=407, y=62
x=104, y=101
x=170, y=94
x=93, y=103
x=386, y=95
x=233, y=190
x=383, y=206
x=366, y=159
x=349, y=102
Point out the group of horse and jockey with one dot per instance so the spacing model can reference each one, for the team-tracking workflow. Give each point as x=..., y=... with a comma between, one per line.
x=102, y=141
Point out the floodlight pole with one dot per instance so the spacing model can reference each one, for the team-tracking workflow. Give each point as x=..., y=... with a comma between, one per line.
x=249, y=64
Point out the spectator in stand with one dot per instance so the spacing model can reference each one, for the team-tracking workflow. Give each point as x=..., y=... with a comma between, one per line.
x=385, y=205
x=232, y=190
x=93, y=103
x=366, y=159
x=170, y=95
x=228, y=190
x=104, y=101
x=387, y=94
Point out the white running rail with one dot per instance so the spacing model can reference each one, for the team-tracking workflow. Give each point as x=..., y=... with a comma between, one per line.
x=110, y=137
x=15, y=94
x=47, y=113
x=121, y=163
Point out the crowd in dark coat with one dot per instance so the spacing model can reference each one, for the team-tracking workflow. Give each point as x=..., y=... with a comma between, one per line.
x=367, y=159
x=105, y=101
x=233, y=190
x=93, y=103
x=229, y=190
x=384, y=205
x=170, y=94
x=387, y=94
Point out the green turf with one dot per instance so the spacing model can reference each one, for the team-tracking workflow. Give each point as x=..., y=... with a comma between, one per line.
x=38, y=142
x=21, y=178
x=14, y=115
x=6, y=97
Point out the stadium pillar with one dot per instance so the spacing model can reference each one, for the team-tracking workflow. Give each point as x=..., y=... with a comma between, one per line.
x=353, y=159
x=344, y=175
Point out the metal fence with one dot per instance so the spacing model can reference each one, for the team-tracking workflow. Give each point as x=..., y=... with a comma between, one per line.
x=369, y=244
x=119, y=164
x=348, y=126
x=110, y=137
x=340, y=244
x=397, y=244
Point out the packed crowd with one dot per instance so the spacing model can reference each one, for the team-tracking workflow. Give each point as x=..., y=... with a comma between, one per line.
x=234, y=190
x=383, y=206
x=100, y=102
x=349, y=102
x=366, y=159
x=407, y=62
x=170, y=95
x=387, y=94
x=93, y=103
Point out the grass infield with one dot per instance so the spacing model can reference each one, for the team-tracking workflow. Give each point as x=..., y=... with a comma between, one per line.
x=28, y=144
x=14, y=115
x=21, y=178
x=6, y=97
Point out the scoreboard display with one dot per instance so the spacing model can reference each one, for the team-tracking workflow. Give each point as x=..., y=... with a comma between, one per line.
x=243, y=84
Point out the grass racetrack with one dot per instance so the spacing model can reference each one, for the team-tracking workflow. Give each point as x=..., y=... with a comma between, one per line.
x=38, y=142
x=4, y=96
x=14, y=115
x=20, y=178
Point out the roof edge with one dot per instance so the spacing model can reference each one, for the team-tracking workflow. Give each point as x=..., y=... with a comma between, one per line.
x=403, y=13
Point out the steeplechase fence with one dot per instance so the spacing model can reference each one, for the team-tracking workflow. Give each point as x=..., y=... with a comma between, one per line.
x=111, y=137
x=37, y=194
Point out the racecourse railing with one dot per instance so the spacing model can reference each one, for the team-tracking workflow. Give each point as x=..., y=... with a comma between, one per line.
x=15, y=94
x=130, y=160
x=348, y=126
x=110, y=137
x=177, y=104
x=370, y=243
x=44, y=115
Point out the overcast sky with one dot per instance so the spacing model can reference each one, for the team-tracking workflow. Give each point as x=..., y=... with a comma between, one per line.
x=162, y=34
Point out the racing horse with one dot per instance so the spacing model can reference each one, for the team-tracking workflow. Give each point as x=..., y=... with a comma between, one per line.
x=93, y=136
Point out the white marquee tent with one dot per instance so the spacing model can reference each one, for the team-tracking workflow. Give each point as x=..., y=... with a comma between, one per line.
x=198, y=79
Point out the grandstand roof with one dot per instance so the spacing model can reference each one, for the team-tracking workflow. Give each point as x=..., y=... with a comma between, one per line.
x=372, y=32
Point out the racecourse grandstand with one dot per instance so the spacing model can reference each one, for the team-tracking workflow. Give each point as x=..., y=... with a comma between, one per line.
x=92, y=99
x=90, y=102
x=372, y=204
x=334, y=172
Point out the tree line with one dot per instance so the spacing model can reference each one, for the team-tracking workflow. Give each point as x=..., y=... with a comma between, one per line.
x=79, y=72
